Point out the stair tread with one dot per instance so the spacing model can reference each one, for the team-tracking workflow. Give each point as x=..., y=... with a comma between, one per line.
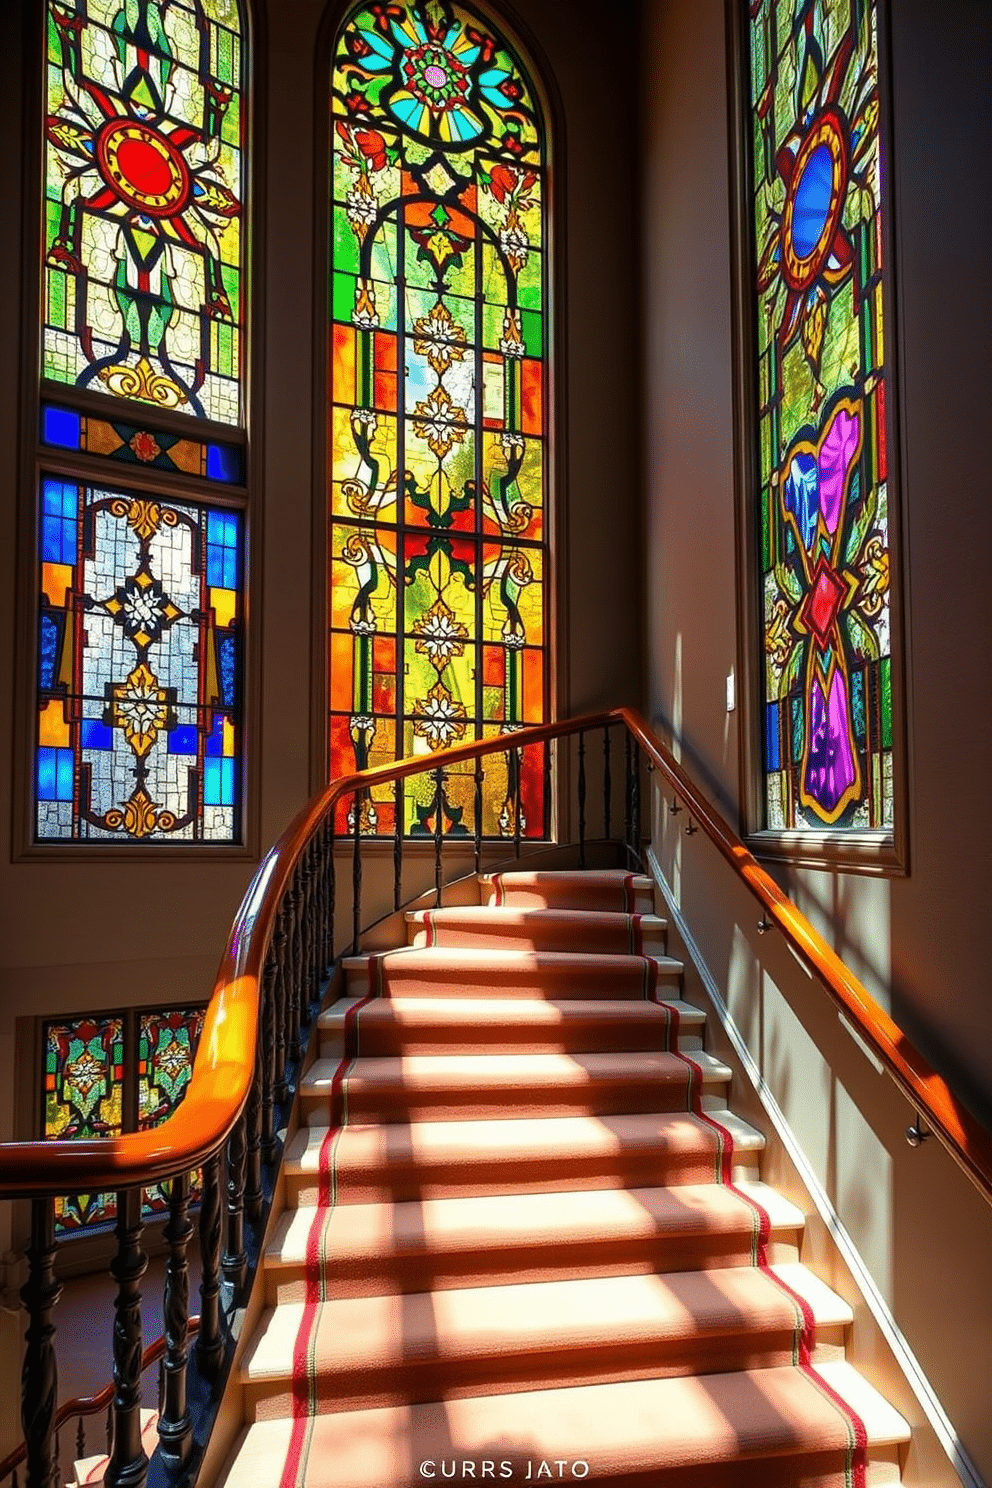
x=479, y=1011
x=439, y=1141
x=651, y=1425
x=485, y=958
x=465, y=1222
x=470, y=1071
x=515, y=876
x=460, y=914
x=478, y=1321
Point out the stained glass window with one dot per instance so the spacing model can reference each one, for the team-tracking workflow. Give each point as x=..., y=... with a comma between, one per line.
x=90, y=1070
x=84, y=1065
x=139, y=690
x=144, y=165
x=822, y=380
x=438, y=417
x=167, y=1041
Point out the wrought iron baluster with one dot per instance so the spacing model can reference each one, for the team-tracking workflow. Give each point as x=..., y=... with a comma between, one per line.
x=80, y=1439
x=331, y=894
x=356, y=878
x=254, y=1197
x=39, y=1374
x=280, y=944
x=438, y=833
x=128, y=1464
x=295, y=958
x=582, y=798
x=517, y=794
x=327, y=901
x=607, y=783
x=312, y=922
x=397, y=844
x=627, y=793
x=268, y=1050
x=480, y=776
x=209, y=1342
x=235, y=1261
x=175, y=1428
x=546, y=824
x=635, y=804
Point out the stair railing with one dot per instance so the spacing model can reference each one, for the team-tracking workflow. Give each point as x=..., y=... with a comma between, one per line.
x=277, y=961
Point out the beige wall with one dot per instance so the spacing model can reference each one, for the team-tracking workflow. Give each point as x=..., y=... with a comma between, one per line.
x=918, y=941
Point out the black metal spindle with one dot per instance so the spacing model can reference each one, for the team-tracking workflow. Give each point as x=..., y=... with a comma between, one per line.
x=280, y=1013
x=209, y=1342
x=80, y=1440
x=438, y=833
x=254, y=1197
x=627, y=794
x=356, y=878
x=235, y=1262
x=582, y=798
x=268, y=1050
x=331, y=894
x=312, y=928
x=128, y=1466
x=546, y=825
x=294, y=960
x=175, y=1428
x=635, y=804
x=480, y=776
x=517, y=803
x=327, y=902
x=397, y=844
x=39, y=1374
x=110, y=1429
x=607, y=783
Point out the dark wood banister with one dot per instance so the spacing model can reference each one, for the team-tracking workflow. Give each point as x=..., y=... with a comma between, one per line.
x=223, y=1070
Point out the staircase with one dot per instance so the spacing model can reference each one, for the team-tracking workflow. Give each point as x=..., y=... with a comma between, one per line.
x=526, y=1241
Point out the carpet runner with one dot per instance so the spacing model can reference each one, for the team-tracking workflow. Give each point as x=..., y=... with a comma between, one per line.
x=525, y=1240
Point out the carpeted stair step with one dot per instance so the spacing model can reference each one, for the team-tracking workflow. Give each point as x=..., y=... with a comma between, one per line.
x=447, y=1159
x=459, y=971
x=609, y=889
x=572, y=930
x=373, y=1351
x=356, y=1250
x=769, y=1428
x=476, y=1086
x=502, y=1025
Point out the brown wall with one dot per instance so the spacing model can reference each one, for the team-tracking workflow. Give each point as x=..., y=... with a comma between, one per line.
x=919, y=941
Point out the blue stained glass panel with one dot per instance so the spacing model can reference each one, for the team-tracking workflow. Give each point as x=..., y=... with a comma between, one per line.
x=95, y=735
x=225, y=463
x=218, y=783
x=54, y=774
x=48, y=644
x=60, y=426
x=183, y=740
x=227, y=652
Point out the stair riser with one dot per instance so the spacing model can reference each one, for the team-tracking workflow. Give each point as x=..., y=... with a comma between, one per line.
x=602, y=942
x=498, y=1264
x=595, y=1098
x=598, y=900
x=600, y=1361
x=396, y=1185
x=375, y=1039
x=548, y=986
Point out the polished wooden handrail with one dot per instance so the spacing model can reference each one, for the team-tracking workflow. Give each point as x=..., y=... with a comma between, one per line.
x=225, y=1059
x=88, y=1405
x=224, y=1064
x=968, y=1142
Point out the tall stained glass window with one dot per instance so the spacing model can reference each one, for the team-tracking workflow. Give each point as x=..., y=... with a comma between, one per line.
x=93, y=1081
x=141, y=571
x=820, y=253
x=438, y=422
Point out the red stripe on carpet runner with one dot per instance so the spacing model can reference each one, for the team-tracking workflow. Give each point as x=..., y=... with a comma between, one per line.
x=856, y=1467
x=303, y=1371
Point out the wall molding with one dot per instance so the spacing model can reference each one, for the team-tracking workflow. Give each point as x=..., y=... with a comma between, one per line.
x=876, y=1303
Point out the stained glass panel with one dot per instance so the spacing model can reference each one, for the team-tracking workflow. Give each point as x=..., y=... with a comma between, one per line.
x=438, y=419
x=143, y=247
x=84, y=1063
x=167, y=1042
x=822, y=375
x=139, y=677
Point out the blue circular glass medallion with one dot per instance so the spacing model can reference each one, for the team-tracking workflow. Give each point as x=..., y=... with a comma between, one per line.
x=811, y=203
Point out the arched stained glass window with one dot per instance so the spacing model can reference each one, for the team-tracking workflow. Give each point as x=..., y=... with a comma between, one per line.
x=823, y=377
x=438, y=422
x=142, y=457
